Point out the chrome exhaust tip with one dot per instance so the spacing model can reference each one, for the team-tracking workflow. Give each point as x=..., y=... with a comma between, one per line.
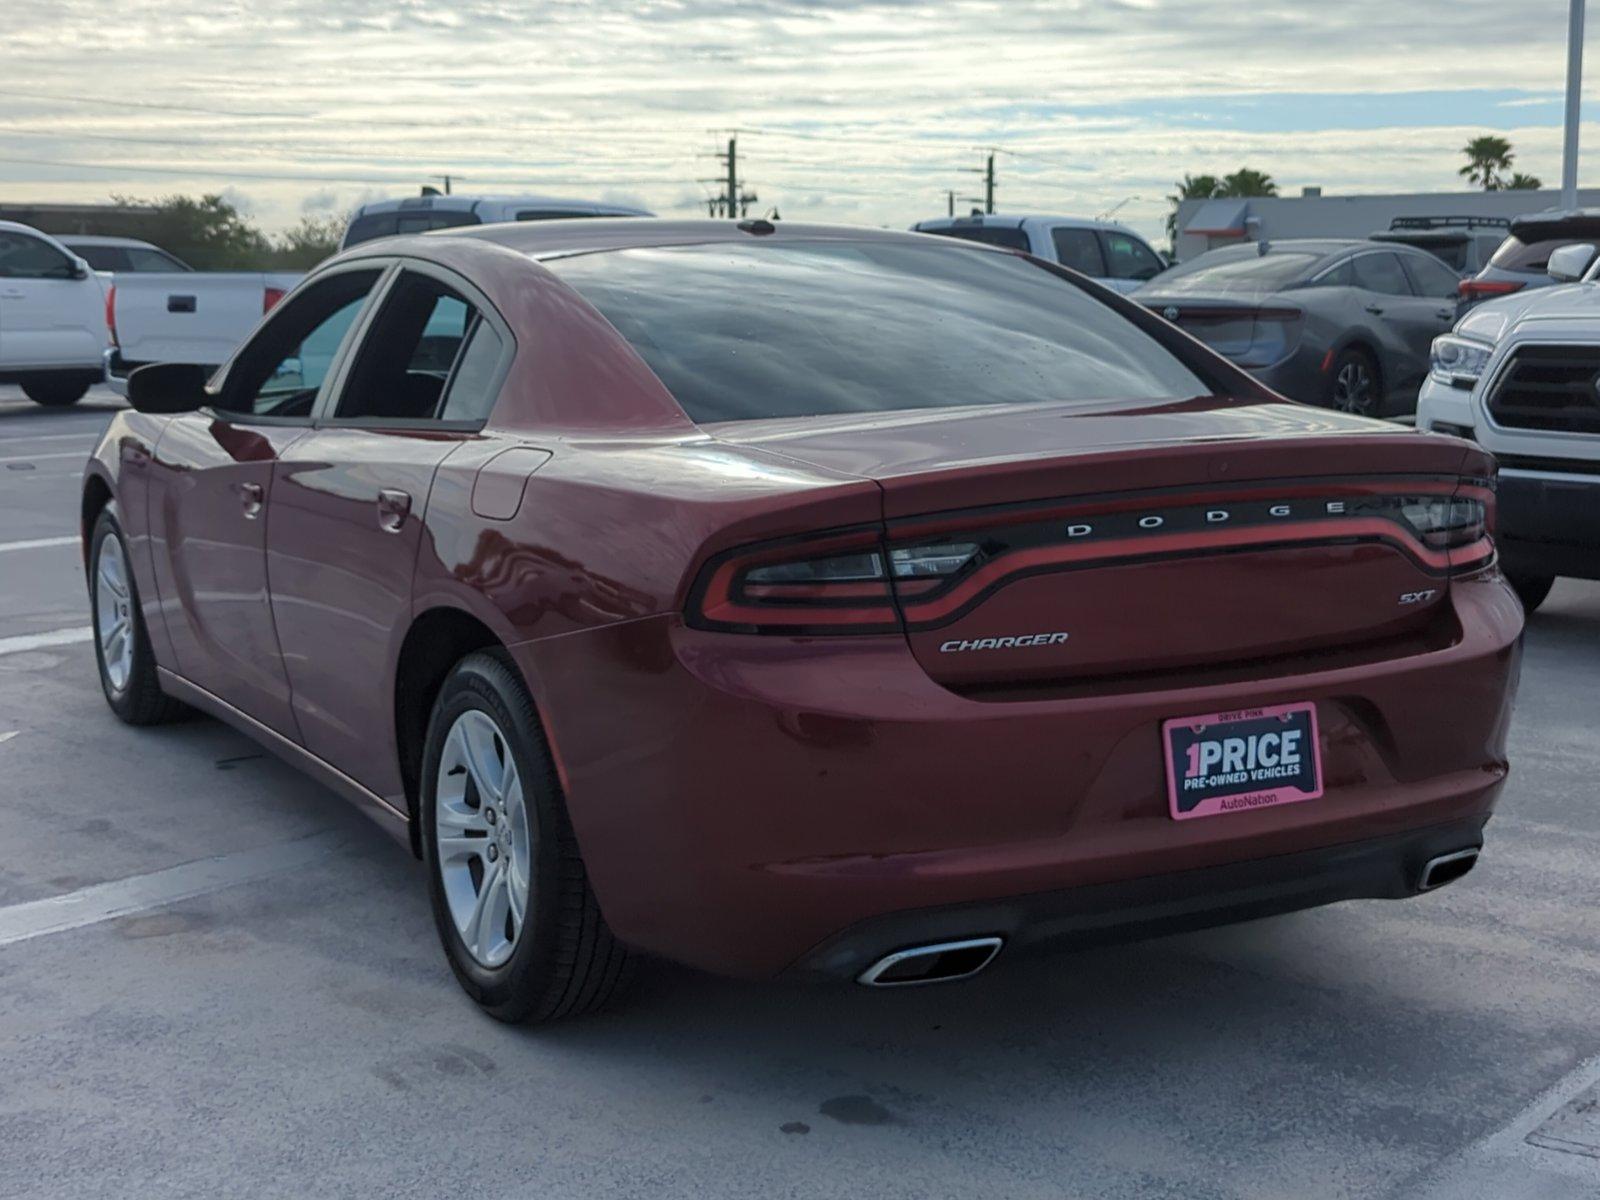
x=939, y=962
x=1447, y=868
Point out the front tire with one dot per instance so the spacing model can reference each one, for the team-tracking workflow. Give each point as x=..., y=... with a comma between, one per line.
x=121, y=641
x=1531, y=589
x=511, y=900
x=55, y=393
x=1354, y=386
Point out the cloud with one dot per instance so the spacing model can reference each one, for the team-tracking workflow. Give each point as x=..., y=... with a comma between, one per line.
x=857, y=109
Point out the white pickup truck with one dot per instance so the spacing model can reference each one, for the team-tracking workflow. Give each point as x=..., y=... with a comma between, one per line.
x=187, y=317
x=1521, y=376
x=52, y=317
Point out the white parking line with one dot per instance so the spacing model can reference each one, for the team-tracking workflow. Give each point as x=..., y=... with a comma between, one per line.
x=42, y=457
x=92, y=435
x=119, y=898
x=38, y=641
x=6, y=737
x=38, y=543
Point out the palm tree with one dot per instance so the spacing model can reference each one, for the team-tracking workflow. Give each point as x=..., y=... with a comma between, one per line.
x=1520, y=182
x=1487, y=157
x=1190, y=187
x=1248, y=182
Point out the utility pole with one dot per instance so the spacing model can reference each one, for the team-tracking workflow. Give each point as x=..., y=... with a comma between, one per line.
x=987, y=171
x=950, y=203
x=735, y=200
x=1569, y=149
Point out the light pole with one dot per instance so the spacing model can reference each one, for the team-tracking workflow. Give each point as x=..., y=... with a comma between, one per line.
x=1569, y=149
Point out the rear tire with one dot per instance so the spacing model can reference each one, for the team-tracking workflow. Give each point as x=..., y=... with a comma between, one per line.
x=121, y=641
x=1354, y=385
x=55, y=393
x=1531, y=589
x=505, y=832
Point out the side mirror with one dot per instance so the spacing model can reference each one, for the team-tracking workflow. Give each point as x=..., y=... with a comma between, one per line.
x=1570, y=262
x=167, y=387
x=80, y=268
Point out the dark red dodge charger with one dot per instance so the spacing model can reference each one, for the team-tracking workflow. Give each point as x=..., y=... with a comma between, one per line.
x=808, y=600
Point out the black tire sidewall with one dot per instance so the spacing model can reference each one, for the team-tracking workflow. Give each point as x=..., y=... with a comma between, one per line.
x=121, y=702
x=52, y=393
x=485, y=681
x=1354, y=354
x=1531, y=590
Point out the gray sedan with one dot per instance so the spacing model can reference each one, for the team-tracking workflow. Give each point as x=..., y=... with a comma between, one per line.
x=1346, y=324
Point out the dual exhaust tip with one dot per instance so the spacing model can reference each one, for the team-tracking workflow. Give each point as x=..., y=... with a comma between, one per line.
x=944, y=962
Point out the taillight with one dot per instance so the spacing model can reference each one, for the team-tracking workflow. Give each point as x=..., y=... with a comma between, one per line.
x=111, y=313
x=270, y=297
x=1478, y=289
x=841, y=583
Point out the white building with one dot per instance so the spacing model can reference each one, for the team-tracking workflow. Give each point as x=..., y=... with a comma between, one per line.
x=1205, y=224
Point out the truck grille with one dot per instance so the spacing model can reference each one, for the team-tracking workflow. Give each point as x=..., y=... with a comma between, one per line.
x=1553, y=388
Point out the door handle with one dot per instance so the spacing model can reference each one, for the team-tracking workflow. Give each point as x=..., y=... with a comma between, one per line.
x=394, y=507
x=250, y=497
x=1445, y=314
x=1375, y=309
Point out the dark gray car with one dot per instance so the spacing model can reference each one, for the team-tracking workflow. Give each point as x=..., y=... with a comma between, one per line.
x=1347, y=324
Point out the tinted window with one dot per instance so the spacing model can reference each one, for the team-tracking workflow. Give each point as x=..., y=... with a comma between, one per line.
x=147, y=258
x=1516, y=255
x=24, y=257
x=390, y=224
x=1235, y=273
x=410, y=353
x=1079, y=249
x=990, y=235
x=102, y=258
x=1129, y=258
x=1381, y=273
x=1430, y=277
x=1339, y=275
x=279, y=372
x=1451, y=254
x=744, y=332
x=473, y=385
x=551, y=214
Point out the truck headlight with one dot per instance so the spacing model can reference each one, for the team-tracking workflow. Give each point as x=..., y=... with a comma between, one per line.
x=1458, y=361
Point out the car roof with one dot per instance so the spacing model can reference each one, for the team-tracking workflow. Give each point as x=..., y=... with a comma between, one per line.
x=467, y=203
x=95, y=239
x=1016, y=220
x=555, y=239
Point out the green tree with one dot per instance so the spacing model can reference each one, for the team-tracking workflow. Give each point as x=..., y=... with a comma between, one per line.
x=1488, y=157
x=306, y=244
x=209, y=233
x=1247, y=182
x=1523, y=183
x=1190, y=187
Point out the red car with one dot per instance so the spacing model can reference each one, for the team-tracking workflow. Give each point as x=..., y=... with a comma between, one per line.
x=805, y=600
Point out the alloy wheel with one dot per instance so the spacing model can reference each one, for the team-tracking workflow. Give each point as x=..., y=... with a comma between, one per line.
x=113, y=613
x=1352, y=388
x=483, y=840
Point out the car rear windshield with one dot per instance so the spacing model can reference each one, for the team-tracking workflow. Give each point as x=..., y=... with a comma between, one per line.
x=1517, y=255
x=746, y=332
x=1252, y=274
x=391, y=224
x=1008, y=236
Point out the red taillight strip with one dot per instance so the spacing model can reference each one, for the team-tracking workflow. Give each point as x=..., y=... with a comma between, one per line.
x=998, y=571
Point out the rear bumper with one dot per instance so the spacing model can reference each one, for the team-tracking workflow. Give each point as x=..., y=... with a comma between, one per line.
x=741, y=801
x=115, y=372
x=1549, y=522
x=1386, y=868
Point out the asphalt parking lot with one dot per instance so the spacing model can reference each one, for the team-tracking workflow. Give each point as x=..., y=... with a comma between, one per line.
x=267, y=1012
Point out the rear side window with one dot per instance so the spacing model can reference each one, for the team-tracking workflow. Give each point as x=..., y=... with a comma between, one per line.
x=409, y=367
x=24, y=257
x=1079, y=249
x=1381, y=273
x=1516, y=255
x=1451, y=254
x=990, y=235
x=470, y=394
x=103, y=258
x=144, y=258
x=1431, y=277
x=745, y=332
x=1129, y=258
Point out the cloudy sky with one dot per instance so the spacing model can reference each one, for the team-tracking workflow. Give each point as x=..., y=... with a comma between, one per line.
x=853, y=111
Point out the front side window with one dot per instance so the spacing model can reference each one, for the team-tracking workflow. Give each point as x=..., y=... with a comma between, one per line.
x=146, y=258
x=1381, y=273
x=24, y=257
x=746, y=332
x=428, y=355
x=1129, y=258
x=280, y=371
x=1079, y=249
x=1431, y=276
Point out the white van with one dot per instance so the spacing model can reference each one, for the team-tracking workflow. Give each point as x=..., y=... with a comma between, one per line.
x=418, y=214
x=1107, y=252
